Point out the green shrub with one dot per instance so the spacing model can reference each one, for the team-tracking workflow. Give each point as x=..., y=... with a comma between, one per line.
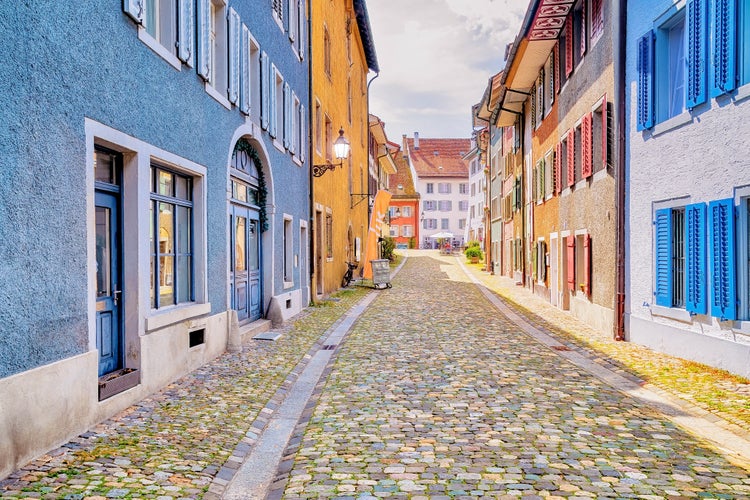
x=389, y=245
x=473, y=243
x=473, y=251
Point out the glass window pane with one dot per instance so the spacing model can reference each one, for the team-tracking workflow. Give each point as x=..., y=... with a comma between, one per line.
x=181, y=187
x=166, y=183
x=183, y=229
x=152, y=295
x=240, y=240
x=241, y=192
x=184, y=278
x=104, y=167
x=166, y=280
x=166, y=228
x=103, y=253
x=253, y=263
x=252, y=196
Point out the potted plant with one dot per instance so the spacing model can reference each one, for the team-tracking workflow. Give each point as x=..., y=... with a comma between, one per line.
x=473, y=253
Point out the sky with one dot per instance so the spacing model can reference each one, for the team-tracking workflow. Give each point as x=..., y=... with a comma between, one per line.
x=435, y=59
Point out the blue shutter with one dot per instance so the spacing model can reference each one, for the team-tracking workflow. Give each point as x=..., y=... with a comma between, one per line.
x=302, y=134
x=233, y=91
x=725, y=48
x=663, y=257
x=134, y=8
x=646, y=81
x=245, y=71
x=695, y=256
x=301, y=28
x=722, y=254
x=265, y=92
x=204, y=39
x=697, y=42
x=273, y=117
x=293, y=130
x=186, y=31
x=285, y=128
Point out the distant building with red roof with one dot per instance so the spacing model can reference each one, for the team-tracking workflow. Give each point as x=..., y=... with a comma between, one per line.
x=441, y=178
x=404, y=206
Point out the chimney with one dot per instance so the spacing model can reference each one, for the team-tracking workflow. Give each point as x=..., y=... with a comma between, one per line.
x=416, y=140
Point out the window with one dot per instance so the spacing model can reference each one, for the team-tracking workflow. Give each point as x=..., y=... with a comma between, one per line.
x=249, y=74
x=463, y=188
x=445, y=205
x=473, y=189
x=580, y=41
x=393, y=231
x=672, y=91
x=277, y=123
x=462, y=223
x=278, y=10
x=296, y=126
x=292, y=24
x=429, y=205
x=541, y=262
x=463, y=205
x=444, y=188
x=218, y=56
x=406, y=211
x=430, y=224
x=171, y=241
x=329, y=139
x=601, y=142
x=597, y=20
x=160, y=21
x=407, y=231
x=548, y=174
x=430, y=188
x=329, y=236
x=326, y=52
x=288, y=251
x=318, y=127
x=445, y=224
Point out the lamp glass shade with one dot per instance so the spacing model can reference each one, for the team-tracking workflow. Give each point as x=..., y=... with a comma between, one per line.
x=341, y=146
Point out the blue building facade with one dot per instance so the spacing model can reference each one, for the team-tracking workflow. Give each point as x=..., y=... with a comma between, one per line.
x=154, y=181
x=688, y=98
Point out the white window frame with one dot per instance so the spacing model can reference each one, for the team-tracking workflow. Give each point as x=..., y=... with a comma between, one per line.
x=288, y=251
x=218, y=78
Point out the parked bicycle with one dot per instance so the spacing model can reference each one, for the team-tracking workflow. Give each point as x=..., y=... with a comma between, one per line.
x=349, y=274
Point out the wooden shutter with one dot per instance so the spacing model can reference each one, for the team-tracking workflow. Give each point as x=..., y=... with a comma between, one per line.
x=569, y=45
x=695, y=258
x=557, y=174
x=722, y=259
x=273, y=117
x=646, y=81
x=571, y=259
x=587, y=265
x=571, y=157
x=235, y=31
x=134, y=8
x=245, y=73
x=301, y=28
x=587, y=152
x=533, y=107
x=696, y=53
x=584, y=40
x=286, y=128
x=605, y=133
x=293, y=127
x=725, y=48
x=186, y=31
x=265, y=92
x=663, y=257
x=302, y=135
x=542, y=178
x=556, y=65
x=203, y=56
x=543, y=257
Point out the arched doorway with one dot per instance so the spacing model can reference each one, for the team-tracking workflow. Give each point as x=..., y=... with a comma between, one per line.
x=247, y=220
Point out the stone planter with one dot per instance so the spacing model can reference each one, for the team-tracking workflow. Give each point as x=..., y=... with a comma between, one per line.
x=118, y=381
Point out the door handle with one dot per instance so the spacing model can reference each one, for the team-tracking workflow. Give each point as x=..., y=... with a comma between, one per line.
x=115, y=296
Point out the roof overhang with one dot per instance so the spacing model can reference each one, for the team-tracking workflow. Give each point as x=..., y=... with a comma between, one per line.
x=387, y=165
x=532, y=49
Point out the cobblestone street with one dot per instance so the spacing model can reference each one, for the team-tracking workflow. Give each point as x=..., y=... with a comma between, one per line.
x=433, y=393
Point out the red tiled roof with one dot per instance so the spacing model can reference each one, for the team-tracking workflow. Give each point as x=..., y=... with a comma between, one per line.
x=401, y=177
x=440, y=157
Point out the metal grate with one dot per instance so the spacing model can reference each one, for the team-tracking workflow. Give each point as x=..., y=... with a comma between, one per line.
x=329, y=347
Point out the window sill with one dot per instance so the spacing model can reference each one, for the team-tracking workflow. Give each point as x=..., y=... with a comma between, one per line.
x=153, y=44
x=210, y=90
x=601, y=174
x=742, y=93
x=566, y=192
x=742, y=327
x=288, y=284
x=672, y=313
x=671, y=124
x=582, y=184
x=175, y=314
x=296, y=160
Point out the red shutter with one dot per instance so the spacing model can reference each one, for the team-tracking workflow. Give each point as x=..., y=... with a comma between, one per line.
x=583, y=28
x=587, y=153
x=571, y=254
x=587, y=265
x=557, y=168
x=571, y=157
x=569, y=46
x=557, y=67
x=604, y=133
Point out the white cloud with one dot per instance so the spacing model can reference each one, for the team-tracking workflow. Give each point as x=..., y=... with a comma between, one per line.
x=435, y=58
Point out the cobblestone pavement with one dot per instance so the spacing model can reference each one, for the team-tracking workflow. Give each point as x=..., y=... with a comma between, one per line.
x=175, y=443
x=434, y=395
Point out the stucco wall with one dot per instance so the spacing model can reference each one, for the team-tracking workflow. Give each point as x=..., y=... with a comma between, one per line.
x=63, y=72
x=703, y=159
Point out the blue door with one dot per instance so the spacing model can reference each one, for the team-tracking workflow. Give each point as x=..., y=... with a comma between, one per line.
x=108, y=286
x=245, y=263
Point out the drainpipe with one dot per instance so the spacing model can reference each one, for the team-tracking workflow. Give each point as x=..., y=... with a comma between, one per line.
x=310, y=159
x=619, y=15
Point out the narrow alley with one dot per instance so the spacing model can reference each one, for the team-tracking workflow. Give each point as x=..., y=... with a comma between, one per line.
x=432, y=393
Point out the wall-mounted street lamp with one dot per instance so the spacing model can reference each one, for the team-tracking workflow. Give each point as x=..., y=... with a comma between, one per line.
x=340, y=150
